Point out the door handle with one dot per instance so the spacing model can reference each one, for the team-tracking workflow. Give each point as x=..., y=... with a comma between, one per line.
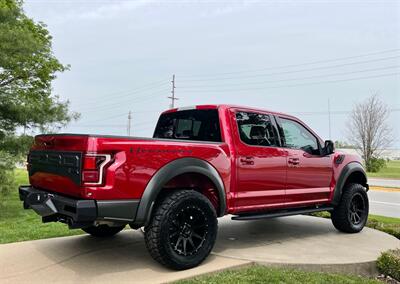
x=247, y=160
x=294, y=161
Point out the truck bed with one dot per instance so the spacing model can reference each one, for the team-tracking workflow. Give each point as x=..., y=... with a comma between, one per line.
x=55, y=162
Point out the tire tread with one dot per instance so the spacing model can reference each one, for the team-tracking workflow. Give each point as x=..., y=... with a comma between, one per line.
x=153, y=238
x=339, y=215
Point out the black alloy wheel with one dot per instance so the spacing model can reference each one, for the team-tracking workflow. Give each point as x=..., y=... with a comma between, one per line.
x=182, y=230
x=351, y=214
x=188, y=230
x=357, y=209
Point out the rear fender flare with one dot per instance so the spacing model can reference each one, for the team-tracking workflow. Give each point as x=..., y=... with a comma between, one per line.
x=344, y=175
x=171, y=170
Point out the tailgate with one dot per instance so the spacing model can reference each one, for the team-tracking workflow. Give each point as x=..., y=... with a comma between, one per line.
x=55, y=163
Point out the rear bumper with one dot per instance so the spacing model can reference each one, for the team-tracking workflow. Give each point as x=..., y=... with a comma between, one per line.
x=77, y=213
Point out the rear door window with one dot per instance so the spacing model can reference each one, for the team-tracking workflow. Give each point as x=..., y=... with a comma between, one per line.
x=256, y=129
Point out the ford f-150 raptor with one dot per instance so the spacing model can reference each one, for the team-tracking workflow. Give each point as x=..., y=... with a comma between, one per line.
x=203, y=162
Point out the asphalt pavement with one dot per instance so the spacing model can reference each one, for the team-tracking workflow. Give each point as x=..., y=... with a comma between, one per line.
x=384, y=182
x=385, y=203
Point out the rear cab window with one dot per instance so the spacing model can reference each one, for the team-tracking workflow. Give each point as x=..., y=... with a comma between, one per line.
x=196, y=125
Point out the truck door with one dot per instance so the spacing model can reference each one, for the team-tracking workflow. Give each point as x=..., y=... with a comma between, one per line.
x=309, y=174
x=260, y=162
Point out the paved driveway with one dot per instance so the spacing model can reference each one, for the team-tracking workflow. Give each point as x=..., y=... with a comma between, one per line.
x=298, y=241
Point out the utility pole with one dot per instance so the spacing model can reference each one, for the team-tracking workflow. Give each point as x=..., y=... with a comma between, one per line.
x=172, y=97
x=329, y=118
x=129, y=123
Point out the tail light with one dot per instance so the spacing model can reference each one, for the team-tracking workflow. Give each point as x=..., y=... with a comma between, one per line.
x=93, y=168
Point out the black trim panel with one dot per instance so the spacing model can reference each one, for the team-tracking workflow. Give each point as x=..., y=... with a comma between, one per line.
x=123, y=210
x=281, y=213
x=77, y=212
x=46, y=204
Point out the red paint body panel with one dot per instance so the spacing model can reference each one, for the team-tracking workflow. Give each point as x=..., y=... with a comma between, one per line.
x=265, y=183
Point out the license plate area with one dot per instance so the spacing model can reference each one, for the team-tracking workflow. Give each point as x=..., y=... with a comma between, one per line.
x=66, y=164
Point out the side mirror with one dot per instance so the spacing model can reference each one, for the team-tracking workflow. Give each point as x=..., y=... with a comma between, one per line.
x=329, y=147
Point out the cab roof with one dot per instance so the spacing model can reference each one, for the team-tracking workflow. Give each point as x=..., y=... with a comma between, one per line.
x=227, y=106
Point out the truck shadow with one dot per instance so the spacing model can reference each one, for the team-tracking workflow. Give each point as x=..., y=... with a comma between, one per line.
x=89, y=257
x=264, y=232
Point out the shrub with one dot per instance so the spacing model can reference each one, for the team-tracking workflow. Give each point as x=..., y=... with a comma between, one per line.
x=389, y=263
x=374, y=165
x=389, y=228
x=7, y=165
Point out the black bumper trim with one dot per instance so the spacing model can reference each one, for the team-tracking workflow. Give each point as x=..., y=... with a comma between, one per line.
x=76, y=212
x=124, y=210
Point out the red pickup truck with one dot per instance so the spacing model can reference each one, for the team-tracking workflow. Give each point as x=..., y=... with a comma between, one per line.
x=203, y=162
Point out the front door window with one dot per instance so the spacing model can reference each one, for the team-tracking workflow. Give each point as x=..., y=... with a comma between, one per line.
x=298, y=137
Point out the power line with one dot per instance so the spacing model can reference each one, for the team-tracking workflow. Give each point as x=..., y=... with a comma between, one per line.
x=108, y=118
x=298, y=78
x=101, y=125
x=122, y=126
x=117, y=116
x=296, y=71
x=297, y=85
x=294, y=65
x=117, y=105
x=153, y=123
x=334, y=112
x=124, y=94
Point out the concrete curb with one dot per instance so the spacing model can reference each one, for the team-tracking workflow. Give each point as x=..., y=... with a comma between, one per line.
x=384, y=188
x=231, y=268
x=367, y=268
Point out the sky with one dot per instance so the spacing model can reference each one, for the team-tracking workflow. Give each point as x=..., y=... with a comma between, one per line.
x=295, y=57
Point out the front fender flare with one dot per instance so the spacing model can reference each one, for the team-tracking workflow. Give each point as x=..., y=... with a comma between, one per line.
x=344, y=175
x=171, y=170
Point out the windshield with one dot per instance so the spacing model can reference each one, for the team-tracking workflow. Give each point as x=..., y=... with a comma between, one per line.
x=200, y=125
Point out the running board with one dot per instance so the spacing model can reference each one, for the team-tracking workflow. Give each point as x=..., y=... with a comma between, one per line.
x=281, y=213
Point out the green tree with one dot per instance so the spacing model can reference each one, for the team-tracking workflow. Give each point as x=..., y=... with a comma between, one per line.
x=27, y=68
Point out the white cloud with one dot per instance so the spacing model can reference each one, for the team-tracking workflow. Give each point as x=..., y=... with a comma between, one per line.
x=228, y=7
x=83, y=10
x=114, y=9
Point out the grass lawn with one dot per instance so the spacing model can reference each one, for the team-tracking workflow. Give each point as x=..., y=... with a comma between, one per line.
x=261, y=274
x=392, y=170
x=17, y=224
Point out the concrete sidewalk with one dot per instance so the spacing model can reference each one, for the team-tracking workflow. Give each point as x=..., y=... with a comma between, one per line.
x=299, y=241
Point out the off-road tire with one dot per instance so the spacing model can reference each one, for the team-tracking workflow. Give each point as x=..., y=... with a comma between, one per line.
x=343, y=217
x=103, y=231
x=166, y=226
